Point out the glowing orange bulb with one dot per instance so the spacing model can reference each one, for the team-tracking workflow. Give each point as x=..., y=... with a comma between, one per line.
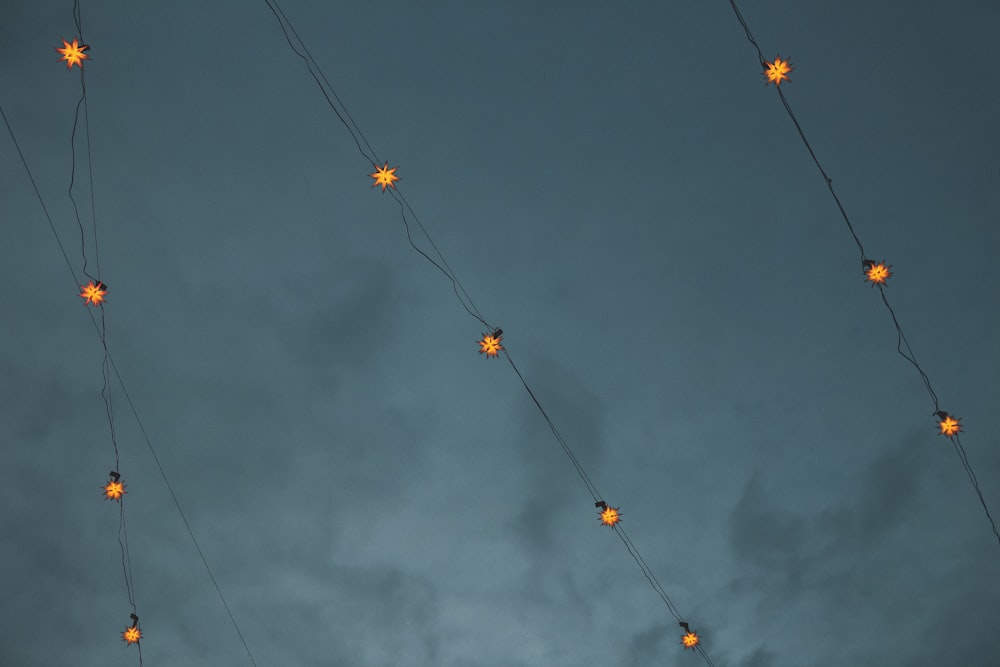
x=114, y=490
x=490, y=344
x=877, y=272
x=949, y=425
x=132, y=635
x=777, y=71
x=690, y=640
x=610, y=516
x=93, y=293
x=73, y=53
x=384, y=176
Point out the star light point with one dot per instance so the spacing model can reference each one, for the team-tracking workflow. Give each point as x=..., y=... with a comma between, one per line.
x=384, y=176
x=73, y=53
x=777, y=71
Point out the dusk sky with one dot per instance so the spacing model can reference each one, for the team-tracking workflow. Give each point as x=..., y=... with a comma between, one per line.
x=614, y=186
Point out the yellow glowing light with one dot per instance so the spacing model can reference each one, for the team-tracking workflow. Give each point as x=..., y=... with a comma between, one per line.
x=877, y=272
x=949, y=425
x=114, y=490
x=610, y=516
x=93, y=293
x=132, y=635
x=690, y=640
x=73, y=53
x=490, y=344
x=777, y=71
x=384, y=176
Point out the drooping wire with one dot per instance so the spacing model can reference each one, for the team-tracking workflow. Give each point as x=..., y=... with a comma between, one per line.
x=123, y=536
x=641, y=562
x=908, y=354
x=90, y=165
x=302, y=51
x=901, y=341
x=359, y=138
x=960, y=450
x=591, y=487
x=310, y=63
x=456, y=285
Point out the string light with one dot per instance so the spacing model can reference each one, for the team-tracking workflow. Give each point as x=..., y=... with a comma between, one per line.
x=115, y=488
x=490, y=345
x=73, y=54
x=876, y=272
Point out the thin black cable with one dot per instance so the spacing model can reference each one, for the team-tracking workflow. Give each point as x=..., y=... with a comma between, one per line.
x=279, y=15
x=274, y=6
x=975, y=483
x=109, y=411
x=642, y=562
x=908, y=355
x=106, y=395
x=78, y=18
x=456, y=283
x=746, y=28
x=595, y=494
x=591, y=487
x=829, y=181
x=126, y=558
x=450, y=274
x=90, y=173
x=72, y=182
x=41, y=202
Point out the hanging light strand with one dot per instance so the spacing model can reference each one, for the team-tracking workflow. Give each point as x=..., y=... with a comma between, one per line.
x=902, y=344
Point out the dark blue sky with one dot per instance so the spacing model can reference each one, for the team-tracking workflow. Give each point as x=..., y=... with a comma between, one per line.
x=616, y=188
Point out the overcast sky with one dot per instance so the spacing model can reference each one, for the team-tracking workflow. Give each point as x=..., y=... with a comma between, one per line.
x=618, y=190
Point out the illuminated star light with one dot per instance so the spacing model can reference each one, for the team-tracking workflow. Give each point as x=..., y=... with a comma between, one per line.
x=114, y=490
x=877, y=272
x=777, y=71
x=690, y=640
x=73, y=53
x=490, y=343
x=132, y=635
x=384, y=176
x=949, y=425
x=93, y=293
x=610, y=516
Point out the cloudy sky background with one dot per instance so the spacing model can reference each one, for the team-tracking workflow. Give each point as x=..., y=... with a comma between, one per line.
x=617, y=189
